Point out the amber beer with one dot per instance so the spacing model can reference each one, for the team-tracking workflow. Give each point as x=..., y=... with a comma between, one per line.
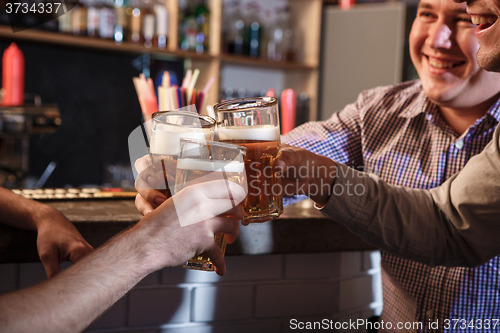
x=223, y=162
x=167, y=130
x=254, y=124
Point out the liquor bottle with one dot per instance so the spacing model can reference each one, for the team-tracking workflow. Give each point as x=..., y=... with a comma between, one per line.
x=161, y=36
x=65, y=23
x=135, y=21
x=235, y=37
x=188, y=26
x=107, y=20
x=203, y=21
x=121, y=28
x=79, y=19
x=280, y=46
x=254, y=30
x=293, y=38
x=148, y=23
x=92, y=19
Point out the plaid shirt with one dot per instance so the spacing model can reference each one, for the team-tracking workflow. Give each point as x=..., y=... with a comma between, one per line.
x=398, y=134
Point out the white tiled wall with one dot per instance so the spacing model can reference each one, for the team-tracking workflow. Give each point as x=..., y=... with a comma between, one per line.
x=258, y=294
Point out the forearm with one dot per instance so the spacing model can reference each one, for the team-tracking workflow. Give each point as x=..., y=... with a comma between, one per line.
x=73, y=299
x=403, y=221
x=471, y=200
x=20, y=212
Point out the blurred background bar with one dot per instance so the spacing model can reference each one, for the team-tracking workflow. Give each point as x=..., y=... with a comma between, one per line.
x=79, y=105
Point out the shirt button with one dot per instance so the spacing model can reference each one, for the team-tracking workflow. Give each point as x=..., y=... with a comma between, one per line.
x=459, y=144
x=429, y=314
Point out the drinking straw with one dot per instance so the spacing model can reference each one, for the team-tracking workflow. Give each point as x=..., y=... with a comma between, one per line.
x=187, y=79
x=271, y=93
x=191, y=85
x=165, y=82
x=179, y=97
x=146, y=94
x=201, y=100
x=288, y=110
x=208, y=85
x=183, y=96
x=204, y=93
x=193, y=98
x=162, y=98
x=172, y=96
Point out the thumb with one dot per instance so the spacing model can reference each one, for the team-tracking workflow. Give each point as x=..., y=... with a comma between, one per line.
x=202, y=201
x=50, y=262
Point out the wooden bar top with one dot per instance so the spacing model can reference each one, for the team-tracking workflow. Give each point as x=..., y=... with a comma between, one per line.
x=301, y=229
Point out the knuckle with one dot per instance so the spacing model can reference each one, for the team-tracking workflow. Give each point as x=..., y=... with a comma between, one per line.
x=46, y=256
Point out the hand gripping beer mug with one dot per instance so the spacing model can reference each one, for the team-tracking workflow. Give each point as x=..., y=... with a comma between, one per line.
x=254, y=124
x=167, y=128
x=202, y=161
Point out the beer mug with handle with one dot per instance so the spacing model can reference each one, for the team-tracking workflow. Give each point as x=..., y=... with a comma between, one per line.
x=167, y=129
x=254, y=124
x=203, y=161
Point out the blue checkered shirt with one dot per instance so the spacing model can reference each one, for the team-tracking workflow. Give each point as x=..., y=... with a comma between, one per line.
x=398, y=134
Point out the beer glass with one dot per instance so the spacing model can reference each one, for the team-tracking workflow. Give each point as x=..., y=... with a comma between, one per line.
x=254, y=124
x=167, y=128
x=202, y=161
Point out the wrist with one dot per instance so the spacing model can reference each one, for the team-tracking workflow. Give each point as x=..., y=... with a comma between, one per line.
x=40, y=214
x=153, y=236
x=323, y=181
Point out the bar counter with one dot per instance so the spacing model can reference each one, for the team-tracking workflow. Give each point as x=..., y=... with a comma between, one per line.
x=301, y=229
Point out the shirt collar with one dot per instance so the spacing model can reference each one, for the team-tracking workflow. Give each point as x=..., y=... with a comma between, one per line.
x=425, y=106
x=494, y=111
x=422, y=106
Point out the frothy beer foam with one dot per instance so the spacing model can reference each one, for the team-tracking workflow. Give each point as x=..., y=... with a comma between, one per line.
x=210, y=166
x=165, y=139
x=256, y=133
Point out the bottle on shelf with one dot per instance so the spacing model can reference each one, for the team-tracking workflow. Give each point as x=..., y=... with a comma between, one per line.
x=148, y=23
x=203, y=21
x=188, y=26
x=79, y=19
x=135, y=21
x=281, y=38
x=194, y=25
x=161, y=35
x=107, y=20
x=235, y=38
x=254, y=30
x=295, y=38
x=121, y=28
x=92, y=18
x=64, y=23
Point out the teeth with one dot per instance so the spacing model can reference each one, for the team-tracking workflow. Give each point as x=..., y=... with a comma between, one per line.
x=440, y=64
x=478, y=20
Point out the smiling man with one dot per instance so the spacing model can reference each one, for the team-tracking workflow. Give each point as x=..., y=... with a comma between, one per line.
x=485, y=13
x=418, y=134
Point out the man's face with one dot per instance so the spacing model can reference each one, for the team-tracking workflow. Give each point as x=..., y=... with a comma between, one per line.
x=485, y=14
x=443, y=50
